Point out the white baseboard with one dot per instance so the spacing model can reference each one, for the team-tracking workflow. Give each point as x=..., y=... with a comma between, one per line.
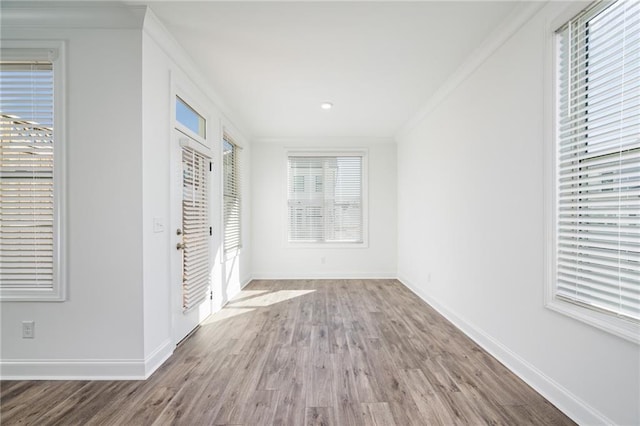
x=72, y=369
x=86, y=369
x=324, y=275
x=245, y=281
x=574, y=407
x=158, y=357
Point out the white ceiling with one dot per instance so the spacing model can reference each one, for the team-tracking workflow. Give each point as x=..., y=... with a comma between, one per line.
x=378, y=62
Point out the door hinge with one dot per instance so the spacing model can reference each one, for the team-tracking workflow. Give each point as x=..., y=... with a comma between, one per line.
x=210, y=230
x=211, y=295
x=210, y=166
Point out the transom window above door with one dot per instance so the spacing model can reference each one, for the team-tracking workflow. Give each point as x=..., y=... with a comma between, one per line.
x=190, y=119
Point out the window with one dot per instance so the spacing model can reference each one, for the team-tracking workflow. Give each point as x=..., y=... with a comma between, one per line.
x=325, y=198
x=597, y=168
x=232, y=201
x=189, y=118
x=31, y=171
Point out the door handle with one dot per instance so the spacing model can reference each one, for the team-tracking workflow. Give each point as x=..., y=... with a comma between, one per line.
x=180, y=246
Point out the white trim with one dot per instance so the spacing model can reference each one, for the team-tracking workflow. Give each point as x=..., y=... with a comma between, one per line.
x=609, y=323
x=571, y=405
x=322, y=141
x=329, y=152
x=66, y=15
x=245, y=282
x=73, y=369
x=86, y=369
x=190, y=143
x=324, y=275
x=617, y=326
x=56, y=52
x=322, y=245
x=520, y=16
x=158, y=357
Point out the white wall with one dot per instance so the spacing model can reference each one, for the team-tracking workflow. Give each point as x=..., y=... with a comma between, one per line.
x=156, y=136
x=98, y=330
x=271, y=256
x=471, y=237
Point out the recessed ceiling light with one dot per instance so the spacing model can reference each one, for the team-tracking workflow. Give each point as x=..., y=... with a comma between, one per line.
x=326, y=105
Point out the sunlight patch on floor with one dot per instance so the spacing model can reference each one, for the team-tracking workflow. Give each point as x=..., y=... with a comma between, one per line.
x=248, y=300
x=225, y=314
x=247, y=294
x=266, y=299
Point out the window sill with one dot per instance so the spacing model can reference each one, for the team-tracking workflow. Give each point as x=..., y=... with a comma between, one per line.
x=620, y=327
x=32, y=295
x=319, y=245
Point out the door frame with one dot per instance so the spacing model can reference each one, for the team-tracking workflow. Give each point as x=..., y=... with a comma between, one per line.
x=182, y=324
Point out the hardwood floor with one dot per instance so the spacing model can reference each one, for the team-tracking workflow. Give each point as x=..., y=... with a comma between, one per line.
x=303, y=352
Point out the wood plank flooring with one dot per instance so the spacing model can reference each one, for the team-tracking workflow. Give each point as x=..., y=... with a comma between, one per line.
x=303, y=352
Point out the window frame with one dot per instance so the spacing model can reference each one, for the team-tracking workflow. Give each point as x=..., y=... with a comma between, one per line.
x=201, y=138
x=229, y=253
x=318, y=152
x=608, y=322
x=30, y=50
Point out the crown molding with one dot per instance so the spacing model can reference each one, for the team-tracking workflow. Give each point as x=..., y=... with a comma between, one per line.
x=510, y=25
x=70, y=15
x=322, y=141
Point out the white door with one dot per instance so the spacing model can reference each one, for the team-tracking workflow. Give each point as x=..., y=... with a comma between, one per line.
x=191, y=260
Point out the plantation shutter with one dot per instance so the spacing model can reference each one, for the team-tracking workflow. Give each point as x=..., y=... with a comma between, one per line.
x=598, y=160
x=231, y=177
x=196, y=235
x=325, y=198
x=27, y=173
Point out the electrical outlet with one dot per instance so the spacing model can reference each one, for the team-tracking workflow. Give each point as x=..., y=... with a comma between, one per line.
x=28, y=329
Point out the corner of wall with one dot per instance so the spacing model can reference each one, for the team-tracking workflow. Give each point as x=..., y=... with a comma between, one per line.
x=157, y=358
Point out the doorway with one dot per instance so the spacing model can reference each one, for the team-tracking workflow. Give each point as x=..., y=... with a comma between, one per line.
x=192, y=231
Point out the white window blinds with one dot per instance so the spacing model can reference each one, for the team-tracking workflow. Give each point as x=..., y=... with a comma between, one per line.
x=232, y=200
x=598, y=160
x=196, y=270
x=27, y=240
x=325, y=198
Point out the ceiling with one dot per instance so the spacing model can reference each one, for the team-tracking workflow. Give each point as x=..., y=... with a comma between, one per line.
x=274, y=63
